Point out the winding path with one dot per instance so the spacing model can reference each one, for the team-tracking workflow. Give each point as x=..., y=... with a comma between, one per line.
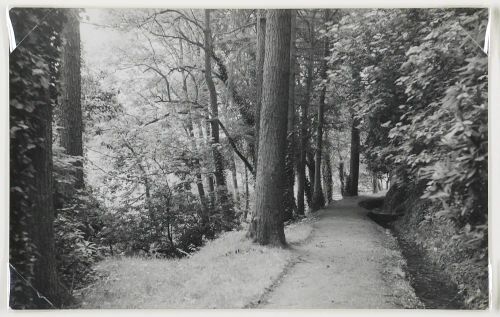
x=344, y=264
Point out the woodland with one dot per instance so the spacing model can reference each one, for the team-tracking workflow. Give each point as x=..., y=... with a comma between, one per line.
x=207, y=122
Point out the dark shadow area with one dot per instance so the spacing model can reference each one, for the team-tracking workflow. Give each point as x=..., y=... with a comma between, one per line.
x=376, y=211
x=431, y=285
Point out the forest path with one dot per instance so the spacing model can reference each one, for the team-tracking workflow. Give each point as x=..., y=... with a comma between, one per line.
x=341, y=266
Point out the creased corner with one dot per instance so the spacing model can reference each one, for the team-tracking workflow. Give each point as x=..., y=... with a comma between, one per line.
x=10, y=30
x=487, y=34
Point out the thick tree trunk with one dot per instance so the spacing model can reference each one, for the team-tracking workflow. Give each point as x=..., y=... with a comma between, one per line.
x=267, y=223
x=290, y=206
x=261, y=42
x=41, y=228
x=352, y=189
x=32, y=250
x=318, y=199
x=222, y=194
x=32, y=257
x=301, y=166
x=71, y=105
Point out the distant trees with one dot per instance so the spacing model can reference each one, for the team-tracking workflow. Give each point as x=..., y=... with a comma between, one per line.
x=267, y=223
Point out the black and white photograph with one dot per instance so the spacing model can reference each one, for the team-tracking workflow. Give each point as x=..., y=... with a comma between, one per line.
x=300, y=158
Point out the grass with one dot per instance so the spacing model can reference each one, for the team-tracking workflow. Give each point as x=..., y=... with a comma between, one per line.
x=228, y=272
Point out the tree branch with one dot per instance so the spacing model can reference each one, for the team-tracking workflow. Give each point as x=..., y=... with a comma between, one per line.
x=235, y=148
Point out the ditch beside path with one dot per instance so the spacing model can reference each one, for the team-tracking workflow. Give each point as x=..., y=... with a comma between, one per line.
x=348, y=262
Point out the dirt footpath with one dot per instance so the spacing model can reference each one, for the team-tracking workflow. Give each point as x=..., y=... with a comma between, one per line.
x=348, y=262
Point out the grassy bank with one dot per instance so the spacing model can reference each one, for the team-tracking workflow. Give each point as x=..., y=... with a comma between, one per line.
x=228, y=272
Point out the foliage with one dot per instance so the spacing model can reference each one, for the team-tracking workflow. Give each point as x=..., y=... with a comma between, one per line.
x=444, y=129
x=421, y=95
x=77, y=224
x=75, y=235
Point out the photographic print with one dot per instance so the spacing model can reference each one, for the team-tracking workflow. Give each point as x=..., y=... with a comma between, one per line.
x=248, y=158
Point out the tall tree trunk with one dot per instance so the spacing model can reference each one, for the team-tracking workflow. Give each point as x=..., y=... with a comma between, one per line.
x=354, y=160
x=267, y=223
x=290, y=205
x=32, y=254
x=46, y=279
x=71, y=112
x=327, y=177
x=301, y=166
x=222, y=194
x=318, y=199
x=261, y=42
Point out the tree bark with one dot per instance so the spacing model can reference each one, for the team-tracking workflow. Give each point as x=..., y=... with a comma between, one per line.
x=267, y=223
x=261, y=42
x=290, y=206
x=222, y=194
x=301, y=172
x=32, y=254
x=354, y=160
x=71, y=105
